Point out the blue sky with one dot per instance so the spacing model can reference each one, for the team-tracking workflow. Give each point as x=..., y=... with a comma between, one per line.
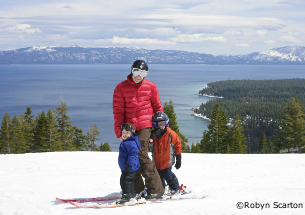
x=207, y=26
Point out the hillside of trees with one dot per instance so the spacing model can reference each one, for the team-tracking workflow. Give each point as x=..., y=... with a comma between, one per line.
x=258, y=103
x=52, y=131
x=47, y=132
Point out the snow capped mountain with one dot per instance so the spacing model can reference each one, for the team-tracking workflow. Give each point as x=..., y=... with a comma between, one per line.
x=288, y=54
x=41, y=48
x=116, y=55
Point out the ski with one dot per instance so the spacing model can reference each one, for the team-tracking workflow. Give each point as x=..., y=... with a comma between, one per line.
x=112, y=203
x=112, y=196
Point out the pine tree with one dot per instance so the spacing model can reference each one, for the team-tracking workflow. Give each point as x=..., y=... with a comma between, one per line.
x=173, y=124
x=198, y=150
x=28, y=126
x=53, y=143
x=237, y=137
x=105, y=147
x=195, y=148
x=92, y=136
x=263, y=145
x=64, y=125
x=292, y=126
x=41, y=134
x=206, y=144
x=80, y=141
x=18, y=144
x=218, y=130
x=270, y=146
x=5, y=137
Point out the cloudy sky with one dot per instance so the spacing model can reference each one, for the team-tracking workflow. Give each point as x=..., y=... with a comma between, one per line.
x=206, y=26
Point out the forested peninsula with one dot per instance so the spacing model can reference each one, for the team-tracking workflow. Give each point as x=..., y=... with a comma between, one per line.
x=259, y=104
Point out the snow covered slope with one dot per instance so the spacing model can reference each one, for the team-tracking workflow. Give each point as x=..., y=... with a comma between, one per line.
x=31, y=182
x=285, y=54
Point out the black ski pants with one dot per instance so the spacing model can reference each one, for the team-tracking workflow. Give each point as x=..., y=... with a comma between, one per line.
x=171, y=179
x=127, y=184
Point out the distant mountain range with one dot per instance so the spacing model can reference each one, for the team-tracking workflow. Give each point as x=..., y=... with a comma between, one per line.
x=113, y=55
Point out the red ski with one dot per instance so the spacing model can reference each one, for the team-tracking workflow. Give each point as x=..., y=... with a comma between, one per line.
x=112, y=203
x=112, y=196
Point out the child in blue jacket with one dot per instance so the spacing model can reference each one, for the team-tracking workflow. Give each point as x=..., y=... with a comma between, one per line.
x=128, y=161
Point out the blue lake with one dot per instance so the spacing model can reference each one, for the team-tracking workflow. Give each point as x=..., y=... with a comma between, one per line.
x=88, y=90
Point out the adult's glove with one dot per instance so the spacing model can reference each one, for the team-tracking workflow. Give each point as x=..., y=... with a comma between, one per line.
x=178, y=161
x=127, y=167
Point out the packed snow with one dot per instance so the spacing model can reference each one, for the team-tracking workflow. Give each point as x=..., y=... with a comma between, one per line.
x=258, y=184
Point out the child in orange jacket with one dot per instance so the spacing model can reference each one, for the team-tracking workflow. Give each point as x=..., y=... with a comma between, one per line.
x=166, y=148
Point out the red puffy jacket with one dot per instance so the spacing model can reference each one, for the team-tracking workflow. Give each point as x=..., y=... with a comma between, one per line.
x=135, y=103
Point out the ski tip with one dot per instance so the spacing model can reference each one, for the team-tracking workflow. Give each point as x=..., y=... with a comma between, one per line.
x=60, y=200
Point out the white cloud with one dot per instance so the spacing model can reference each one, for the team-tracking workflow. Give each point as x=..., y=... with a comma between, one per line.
x=269, y=42
x=243, y=45
x=196, y=38
x=261, y=32
x=23, y=29
x=127, y=41
x=192, y=25
x=289, y=38
x=215, y=39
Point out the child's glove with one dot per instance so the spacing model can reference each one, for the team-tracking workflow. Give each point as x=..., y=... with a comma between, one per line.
x=155, y=133
x=127, y=167
x=178, y=161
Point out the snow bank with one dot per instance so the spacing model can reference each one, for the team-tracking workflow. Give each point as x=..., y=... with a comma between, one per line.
x=261, y=183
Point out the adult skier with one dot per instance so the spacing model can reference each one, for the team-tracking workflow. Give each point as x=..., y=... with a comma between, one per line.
x=135, y=100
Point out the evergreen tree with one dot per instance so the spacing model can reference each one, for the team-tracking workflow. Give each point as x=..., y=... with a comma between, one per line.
x=18, y=143
x=5, y=137
x=270, y=146
x=53, y=143
x=41, y=134
x=28, y=126
x=173, y=124
x=195, y=148
x=292, y=126
x=92, y=136
x=206, y=144
x=216, y=139
x=218, y=129
x=80, y=141
x=237, y=137
x=105, y=147
x=64, y=125
x=263, y=145
x=27, y=132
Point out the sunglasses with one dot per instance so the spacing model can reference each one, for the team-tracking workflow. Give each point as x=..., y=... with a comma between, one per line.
x=127, y=127
x=139, y=72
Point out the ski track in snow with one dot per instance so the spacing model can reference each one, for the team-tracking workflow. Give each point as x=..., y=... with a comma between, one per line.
x=31, y=182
